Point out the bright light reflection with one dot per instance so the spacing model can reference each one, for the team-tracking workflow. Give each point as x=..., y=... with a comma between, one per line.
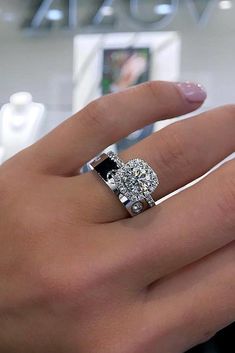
x=225, y=4
x=106, y=11
x=163, y=9
x=55, y=15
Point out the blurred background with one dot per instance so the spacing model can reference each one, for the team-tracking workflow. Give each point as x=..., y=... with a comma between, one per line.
x=57, y=55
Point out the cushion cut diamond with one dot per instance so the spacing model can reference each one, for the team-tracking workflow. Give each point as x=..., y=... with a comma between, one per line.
x=136, y=179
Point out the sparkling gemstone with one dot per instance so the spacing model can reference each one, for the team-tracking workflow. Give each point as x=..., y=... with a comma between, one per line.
x=136, y=179
x=137, y=207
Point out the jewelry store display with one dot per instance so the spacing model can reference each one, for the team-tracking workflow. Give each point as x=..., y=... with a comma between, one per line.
x=20, y=123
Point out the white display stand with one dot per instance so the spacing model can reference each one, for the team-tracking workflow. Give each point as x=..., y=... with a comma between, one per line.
x=20, y=123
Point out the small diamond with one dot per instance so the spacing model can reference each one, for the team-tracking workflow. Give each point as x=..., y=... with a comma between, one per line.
x=114, y=157
x=137, y=207
x=150, y=200
x=109, y=176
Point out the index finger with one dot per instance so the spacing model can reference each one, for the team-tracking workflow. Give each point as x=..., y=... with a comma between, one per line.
x=108, y=119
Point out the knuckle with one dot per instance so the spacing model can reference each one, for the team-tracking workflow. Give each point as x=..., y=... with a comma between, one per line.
x=152, y=87
x=65, y=281
x=229, y=109
x=205, y=336
x=226, y=202
x=196, y=326
x=158, y=90
x=96, y=113
x=174, y=149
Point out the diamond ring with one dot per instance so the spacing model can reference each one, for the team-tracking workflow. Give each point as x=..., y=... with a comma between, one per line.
x=133, y=182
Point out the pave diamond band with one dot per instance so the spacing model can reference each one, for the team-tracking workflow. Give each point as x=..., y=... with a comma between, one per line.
x=114, y=157
x=133, y=182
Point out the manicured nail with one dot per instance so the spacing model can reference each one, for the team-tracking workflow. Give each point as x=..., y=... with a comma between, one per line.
x=193, y=92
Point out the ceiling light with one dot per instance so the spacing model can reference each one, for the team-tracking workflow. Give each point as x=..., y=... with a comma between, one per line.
x=163, y=9
x=225, y=4
x=54, y=15
x=106, y=11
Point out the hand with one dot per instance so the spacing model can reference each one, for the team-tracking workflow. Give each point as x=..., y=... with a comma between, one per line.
x=77, y=275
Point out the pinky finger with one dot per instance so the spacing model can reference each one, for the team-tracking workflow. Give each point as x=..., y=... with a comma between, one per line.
x=195, y=302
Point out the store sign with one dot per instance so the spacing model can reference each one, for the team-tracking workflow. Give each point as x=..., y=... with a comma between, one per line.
x=162, y=13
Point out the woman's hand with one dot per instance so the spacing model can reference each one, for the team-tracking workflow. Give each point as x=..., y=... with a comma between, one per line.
x=77, y=275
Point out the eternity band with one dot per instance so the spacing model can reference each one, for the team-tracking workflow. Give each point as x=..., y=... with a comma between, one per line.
x=132, y=182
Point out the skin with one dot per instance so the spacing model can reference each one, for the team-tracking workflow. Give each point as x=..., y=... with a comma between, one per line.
x=77, y=275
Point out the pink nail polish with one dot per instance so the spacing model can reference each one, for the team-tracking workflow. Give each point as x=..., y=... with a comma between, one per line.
x=193, y=92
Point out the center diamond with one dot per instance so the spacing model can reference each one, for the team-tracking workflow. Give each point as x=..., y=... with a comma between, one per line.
x=136, y=179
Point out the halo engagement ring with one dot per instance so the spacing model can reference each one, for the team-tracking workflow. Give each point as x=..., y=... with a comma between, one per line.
x=132, y=182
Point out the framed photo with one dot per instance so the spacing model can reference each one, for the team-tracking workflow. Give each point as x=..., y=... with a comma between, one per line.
x=124, y=67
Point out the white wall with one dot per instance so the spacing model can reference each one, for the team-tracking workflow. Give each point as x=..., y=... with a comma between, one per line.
x=208, y=53
x=42, y=66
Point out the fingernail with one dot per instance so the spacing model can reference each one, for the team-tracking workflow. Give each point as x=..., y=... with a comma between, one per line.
x=193, y=92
